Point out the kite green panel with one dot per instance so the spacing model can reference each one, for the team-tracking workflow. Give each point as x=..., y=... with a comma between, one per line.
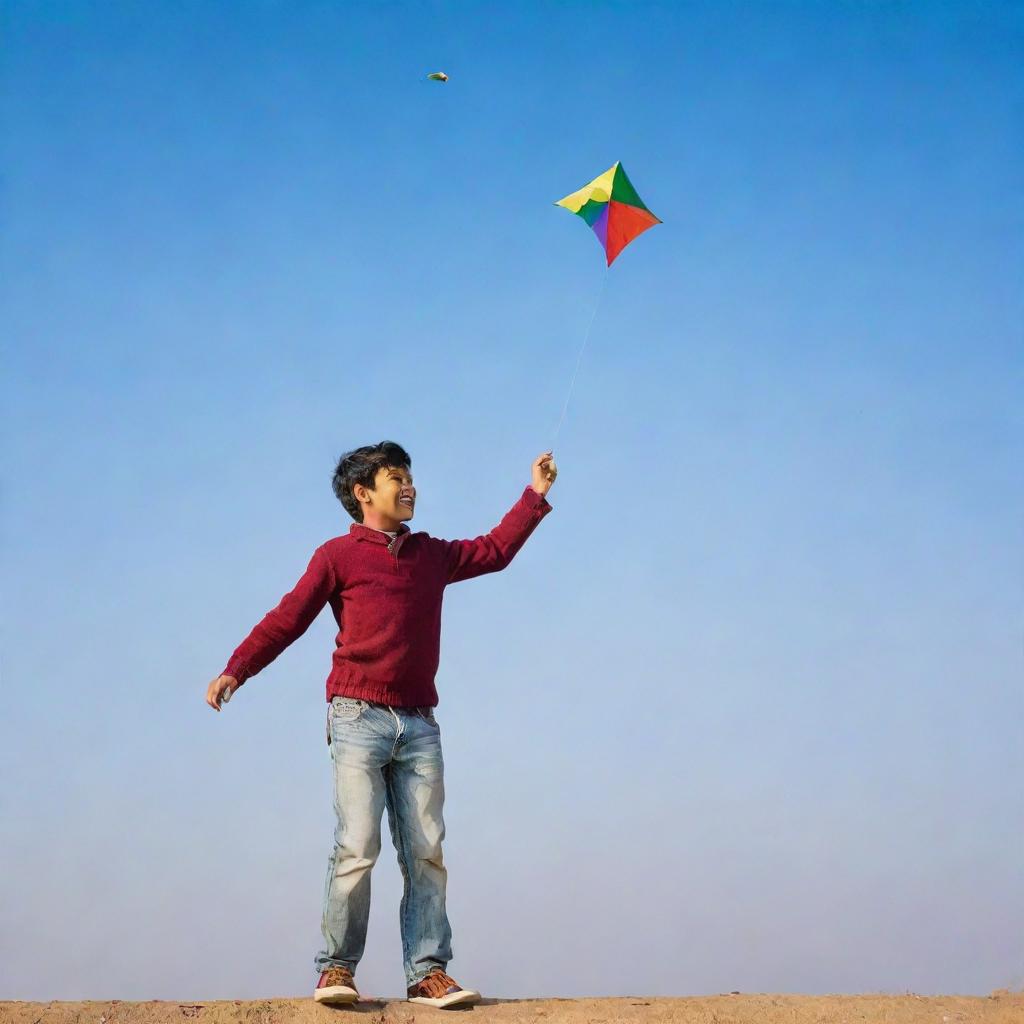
x=623, y=191
x=591, y=210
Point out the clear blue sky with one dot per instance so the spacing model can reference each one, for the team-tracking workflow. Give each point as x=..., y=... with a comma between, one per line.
x=745, y=713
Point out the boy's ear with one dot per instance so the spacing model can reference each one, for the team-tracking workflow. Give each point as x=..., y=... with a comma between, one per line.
x=363, y=493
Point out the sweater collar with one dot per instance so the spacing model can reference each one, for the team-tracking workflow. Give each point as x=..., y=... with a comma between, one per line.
x=361, y=532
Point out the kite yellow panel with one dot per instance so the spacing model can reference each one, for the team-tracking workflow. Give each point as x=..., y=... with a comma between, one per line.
x=600, y=190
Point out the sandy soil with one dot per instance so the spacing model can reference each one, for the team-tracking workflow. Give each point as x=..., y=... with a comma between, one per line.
x=999, y=1008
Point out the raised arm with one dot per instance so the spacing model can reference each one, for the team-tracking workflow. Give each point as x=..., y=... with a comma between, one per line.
x=493, y=551
x=278, y=628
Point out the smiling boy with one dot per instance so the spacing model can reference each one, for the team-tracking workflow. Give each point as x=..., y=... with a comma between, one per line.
x=385, y=586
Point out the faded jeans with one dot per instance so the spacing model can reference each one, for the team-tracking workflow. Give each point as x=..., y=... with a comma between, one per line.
x=386, y=757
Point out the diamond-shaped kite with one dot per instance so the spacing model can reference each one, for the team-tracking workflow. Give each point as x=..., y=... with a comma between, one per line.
x=610, y=205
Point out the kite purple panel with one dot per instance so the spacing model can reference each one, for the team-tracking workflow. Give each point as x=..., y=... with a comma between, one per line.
x=601, y=227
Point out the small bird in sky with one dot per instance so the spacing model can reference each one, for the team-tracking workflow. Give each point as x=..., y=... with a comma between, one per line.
x=437, y=76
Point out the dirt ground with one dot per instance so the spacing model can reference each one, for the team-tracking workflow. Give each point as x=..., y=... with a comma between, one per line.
x=998, y=1008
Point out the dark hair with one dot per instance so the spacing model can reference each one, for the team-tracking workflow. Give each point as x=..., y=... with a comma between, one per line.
x=360, y=467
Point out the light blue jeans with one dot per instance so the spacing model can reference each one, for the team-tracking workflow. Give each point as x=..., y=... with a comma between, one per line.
x=386, y=757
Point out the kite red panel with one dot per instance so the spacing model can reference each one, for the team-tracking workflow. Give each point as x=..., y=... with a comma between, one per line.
x=624, y=224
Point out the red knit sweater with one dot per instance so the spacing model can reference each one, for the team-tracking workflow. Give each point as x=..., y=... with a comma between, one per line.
x=386, y=597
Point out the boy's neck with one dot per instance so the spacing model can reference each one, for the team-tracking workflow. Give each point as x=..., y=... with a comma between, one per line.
x=382, y=523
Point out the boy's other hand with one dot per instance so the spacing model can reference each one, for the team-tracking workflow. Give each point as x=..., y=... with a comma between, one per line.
x=220, y=690
x=544, y=473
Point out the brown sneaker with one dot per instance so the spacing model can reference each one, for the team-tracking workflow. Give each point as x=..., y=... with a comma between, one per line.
x=336, y=986
x=440, y=990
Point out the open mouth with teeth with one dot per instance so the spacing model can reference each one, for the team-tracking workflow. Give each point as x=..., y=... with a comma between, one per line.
x=408, y=502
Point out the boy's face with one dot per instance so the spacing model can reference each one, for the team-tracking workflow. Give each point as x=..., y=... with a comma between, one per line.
x=393, y=494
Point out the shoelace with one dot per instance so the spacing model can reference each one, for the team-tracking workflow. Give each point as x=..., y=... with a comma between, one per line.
x=437, y=984
x=337, y=976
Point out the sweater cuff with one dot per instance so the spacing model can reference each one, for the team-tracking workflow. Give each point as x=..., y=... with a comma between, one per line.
x=237, y=671
x=535, y=500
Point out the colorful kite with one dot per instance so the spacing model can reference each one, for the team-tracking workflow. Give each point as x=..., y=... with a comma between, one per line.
x=610, y=205
x=437, y=76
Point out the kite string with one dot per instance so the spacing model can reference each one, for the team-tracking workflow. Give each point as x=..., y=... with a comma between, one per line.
x=579, y=358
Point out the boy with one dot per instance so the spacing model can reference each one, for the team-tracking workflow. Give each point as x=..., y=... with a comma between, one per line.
x=385, y=586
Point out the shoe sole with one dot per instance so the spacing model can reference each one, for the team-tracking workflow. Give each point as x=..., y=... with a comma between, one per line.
x=462, y=998
x=336, y=994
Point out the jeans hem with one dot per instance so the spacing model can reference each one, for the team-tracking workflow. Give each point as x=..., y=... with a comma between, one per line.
x=419, y=977
x=328, y=964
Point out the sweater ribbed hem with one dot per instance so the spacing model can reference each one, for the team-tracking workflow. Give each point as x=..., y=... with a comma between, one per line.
x=422, y=697
x=351, y=683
